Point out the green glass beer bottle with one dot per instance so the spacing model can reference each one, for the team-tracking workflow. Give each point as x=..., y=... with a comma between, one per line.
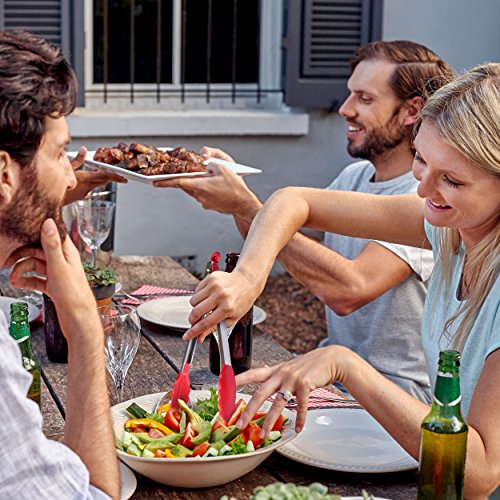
x=444, y=436
x=20, y=332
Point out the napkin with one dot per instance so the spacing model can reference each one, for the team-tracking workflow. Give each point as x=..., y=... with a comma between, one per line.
x=323, y=398
x=153, y=291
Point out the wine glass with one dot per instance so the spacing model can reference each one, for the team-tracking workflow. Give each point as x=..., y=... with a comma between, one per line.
x=94, y=219
x=122, y=334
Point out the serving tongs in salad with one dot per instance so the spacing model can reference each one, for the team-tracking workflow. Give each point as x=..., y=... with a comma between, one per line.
x=182, y=384
x=227, y=382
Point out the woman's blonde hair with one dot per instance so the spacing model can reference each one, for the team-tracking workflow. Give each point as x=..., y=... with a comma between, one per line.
x=466, y=115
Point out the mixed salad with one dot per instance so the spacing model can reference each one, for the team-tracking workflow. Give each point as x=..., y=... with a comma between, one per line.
x=199, y=432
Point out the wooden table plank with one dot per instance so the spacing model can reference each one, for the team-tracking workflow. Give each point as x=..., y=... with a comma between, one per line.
x=158, y=271
x=53, y=422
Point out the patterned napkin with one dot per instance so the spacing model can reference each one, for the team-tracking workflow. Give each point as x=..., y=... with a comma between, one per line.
x=322, y=398
x=154, y=291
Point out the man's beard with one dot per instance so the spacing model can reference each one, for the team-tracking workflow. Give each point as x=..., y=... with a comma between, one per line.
x=379, y=142
x=22, y=219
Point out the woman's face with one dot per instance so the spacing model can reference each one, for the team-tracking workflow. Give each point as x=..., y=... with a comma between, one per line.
x=458, y=193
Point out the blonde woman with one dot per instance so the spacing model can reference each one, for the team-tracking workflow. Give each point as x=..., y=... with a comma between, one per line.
x=456, y=213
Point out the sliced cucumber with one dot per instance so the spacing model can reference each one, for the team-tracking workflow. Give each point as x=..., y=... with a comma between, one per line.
x=133, y=449
x=274, y=435
x=127, y=440
x=224, y=449
x=148, y=454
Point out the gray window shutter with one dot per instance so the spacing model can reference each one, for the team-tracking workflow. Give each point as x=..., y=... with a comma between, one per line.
x=320, y=37
x=59, y=21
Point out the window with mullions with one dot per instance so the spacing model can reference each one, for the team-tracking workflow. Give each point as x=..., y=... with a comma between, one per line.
x=176, y=48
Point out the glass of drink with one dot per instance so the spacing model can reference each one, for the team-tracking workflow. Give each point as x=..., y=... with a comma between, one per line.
x=122, y=334
x=94, y=218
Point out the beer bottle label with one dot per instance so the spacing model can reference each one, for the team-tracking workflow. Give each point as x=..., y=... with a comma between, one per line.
x=19, y=332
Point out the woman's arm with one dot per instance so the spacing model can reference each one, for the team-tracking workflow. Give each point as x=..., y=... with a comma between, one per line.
x=398, y=412
x=397, y=219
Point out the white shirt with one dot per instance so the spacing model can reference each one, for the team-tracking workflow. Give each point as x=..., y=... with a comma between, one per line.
x=32, y=466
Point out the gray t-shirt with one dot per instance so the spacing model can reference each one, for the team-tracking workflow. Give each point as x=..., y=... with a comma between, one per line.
x=386, y=331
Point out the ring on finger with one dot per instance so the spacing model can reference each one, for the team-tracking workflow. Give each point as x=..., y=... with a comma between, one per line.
x=286, y=395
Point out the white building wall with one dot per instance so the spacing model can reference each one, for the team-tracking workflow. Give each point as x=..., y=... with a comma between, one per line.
x=154, y=221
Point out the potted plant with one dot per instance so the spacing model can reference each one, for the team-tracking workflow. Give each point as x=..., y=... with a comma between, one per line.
x=102, y=281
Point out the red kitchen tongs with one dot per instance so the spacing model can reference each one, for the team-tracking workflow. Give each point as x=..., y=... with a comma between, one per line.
x=227, y=382
x=182, y=385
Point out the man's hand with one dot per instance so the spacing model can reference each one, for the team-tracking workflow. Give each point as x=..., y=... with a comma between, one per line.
x=87, y=180
x=208, y=153
x=64, y=281
x=224, y=191
x=60, y=275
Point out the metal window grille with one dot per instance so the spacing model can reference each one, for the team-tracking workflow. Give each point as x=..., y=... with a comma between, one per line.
x=175, y=76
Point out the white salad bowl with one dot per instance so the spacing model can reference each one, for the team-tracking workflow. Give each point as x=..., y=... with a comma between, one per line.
x=195, y=472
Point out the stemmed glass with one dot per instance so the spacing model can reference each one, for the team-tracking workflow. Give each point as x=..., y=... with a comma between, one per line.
x=94, y=218
x=122, y=334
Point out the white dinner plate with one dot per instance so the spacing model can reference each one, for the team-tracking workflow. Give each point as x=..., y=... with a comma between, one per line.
x=128, y=481
x=348, y=440
x=5, y=303
x=174, y=312
x=149, y=179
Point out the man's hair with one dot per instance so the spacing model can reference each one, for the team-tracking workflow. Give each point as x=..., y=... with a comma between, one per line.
x=418, y=72
x=36, y=82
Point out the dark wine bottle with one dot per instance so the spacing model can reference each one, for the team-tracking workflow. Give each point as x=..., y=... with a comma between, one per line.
x=240, y=341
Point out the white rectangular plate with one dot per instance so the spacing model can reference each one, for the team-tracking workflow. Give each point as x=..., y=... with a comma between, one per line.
x=149, y=179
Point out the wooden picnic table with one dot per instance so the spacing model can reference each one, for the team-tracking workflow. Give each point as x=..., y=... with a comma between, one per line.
x=154, y=370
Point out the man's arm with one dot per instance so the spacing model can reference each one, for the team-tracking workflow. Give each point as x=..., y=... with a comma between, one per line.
x=88, y=430
x=343, y=284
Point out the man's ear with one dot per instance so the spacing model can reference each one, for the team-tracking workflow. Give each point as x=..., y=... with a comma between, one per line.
x=412, y=108
x=8, y=177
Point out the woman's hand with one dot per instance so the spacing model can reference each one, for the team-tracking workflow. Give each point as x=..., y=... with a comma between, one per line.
x=221, y=296
x=300, y=376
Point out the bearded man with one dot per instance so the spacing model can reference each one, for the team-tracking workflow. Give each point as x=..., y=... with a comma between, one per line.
x=373, y=291
x=37, y=91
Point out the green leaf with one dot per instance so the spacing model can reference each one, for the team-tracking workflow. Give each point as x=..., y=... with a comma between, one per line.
x=238, y=447
x=208, y=408
x=97, y=275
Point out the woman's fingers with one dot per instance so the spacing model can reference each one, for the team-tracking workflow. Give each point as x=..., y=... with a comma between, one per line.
x=302, y=399
x=255, y=376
